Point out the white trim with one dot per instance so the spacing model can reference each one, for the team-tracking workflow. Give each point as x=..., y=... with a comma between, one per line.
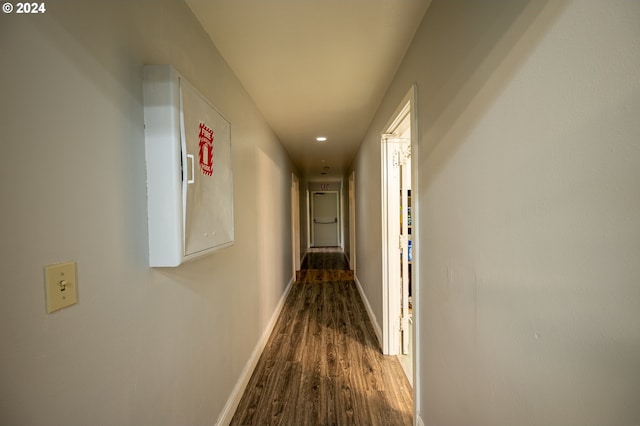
x=352, y=221
x=295, y=221
x=236, y=395
x=372, y=316
x=390, y=197
x=341, y=227
x=416, y=246
x=308, y=221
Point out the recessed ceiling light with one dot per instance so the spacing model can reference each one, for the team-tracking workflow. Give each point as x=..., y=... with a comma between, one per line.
x=321, y=139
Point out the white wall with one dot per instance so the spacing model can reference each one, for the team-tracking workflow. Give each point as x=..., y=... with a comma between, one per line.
x=369, y=221
x=142, y=346
x=529, y=192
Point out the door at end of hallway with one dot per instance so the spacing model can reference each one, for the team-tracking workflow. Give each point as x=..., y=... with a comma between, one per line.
x=325, y=219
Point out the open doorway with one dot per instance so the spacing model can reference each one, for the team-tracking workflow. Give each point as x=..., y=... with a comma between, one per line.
x=398, y=213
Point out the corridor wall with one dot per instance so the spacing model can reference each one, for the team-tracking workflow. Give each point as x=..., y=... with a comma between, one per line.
x=528, y=193
x=142, y=346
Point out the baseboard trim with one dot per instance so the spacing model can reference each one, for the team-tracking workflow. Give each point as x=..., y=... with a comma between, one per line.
x=419, y=421
x=236, y=395
x=372, y=316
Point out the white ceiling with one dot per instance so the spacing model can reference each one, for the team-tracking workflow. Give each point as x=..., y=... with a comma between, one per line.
x=314, y=67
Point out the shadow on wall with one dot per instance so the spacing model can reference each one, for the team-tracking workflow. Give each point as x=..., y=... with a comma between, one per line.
x=271, y=214
x=470, y=82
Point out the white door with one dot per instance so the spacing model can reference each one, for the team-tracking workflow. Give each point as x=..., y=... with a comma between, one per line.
x=325, y=219
x=208, y=219
x=391, y=266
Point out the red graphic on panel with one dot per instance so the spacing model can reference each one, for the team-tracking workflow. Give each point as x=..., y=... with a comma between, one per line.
x=206, y=150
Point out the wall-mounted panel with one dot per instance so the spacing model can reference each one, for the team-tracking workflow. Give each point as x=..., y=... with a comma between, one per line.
x=189, y=173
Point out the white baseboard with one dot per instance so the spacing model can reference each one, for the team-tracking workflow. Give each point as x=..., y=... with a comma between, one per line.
x=419, y=421
x=236, y=395
x=372, y=316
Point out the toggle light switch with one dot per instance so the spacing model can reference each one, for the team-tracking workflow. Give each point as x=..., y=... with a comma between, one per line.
x=60, y=285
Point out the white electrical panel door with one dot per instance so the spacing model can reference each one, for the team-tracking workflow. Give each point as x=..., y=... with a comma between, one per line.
x=189, y=173
x=208, y=217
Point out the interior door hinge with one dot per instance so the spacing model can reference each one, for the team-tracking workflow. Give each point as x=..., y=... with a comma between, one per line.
x=402, y=242
x=404, y=323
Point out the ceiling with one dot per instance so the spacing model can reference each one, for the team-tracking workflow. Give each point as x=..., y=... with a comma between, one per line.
x=314, y=67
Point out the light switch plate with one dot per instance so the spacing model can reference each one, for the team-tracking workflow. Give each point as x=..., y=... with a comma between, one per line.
x=60, y=285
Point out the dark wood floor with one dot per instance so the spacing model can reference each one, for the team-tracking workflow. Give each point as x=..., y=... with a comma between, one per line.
x=322, y=364
x=335, y=261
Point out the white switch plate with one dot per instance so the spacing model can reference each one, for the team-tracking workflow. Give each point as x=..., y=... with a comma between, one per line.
x=60, y=285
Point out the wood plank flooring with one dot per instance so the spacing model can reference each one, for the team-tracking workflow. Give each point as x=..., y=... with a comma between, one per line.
x=322, y=364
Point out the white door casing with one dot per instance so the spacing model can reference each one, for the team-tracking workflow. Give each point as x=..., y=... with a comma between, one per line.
x=295, y=222
x=397, y=145
x=352, y=222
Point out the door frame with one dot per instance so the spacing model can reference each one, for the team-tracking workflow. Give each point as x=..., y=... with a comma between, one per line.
x=295, y=223
x=352, y=221
x=391, y=268
x=391, y=299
